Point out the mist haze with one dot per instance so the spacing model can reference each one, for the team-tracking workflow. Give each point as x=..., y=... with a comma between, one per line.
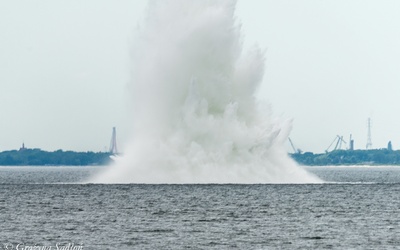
x=330, y=65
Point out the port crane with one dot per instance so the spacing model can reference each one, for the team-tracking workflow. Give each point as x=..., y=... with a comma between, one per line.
x=339, y=141
x=296, y=151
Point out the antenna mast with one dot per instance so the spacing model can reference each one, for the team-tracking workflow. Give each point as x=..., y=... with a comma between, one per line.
x=113, y=143
x=369, y=140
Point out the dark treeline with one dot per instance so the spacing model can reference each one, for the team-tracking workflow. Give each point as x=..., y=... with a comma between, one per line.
x=350, y=157
x=37, y=157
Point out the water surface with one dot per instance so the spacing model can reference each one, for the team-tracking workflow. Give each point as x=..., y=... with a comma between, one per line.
x=45, y=206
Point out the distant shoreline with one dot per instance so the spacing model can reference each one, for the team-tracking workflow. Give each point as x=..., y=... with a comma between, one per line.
x=371, y=157
x=38, y=157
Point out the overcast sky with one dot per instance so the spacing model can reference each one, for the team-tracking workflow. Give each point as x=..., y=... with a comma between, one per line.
x=330, y=65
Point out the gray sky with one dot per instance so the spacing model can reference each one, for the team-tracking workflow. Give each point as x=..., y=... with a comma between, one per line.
x=330, y=65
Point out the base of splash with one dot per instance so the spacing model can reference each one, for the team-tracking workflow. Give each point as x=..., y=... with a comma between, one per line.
x=111, y=176
x=179, y=170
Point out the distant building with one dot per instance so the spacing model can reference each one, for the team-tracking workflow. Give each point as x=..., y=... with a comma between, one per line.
x=23, y=147
x=390, y=146
x=351, y=147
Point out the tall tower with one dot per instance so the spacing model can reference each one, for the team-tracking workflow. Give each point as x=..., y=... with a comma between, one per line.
x=351, y=143
x=369, y=141
x=113, y=143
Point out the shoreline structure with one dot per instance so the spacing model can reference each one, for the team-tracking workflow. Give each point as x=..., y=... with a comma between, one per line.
x=38, y=157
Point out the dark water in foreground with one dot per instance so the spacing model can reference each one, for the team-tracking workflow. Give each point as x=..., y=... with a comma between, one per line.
x=360, y=210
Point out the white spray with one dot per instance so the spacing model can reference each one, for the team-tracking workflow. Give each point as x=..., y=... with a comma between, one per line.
x=196, y=119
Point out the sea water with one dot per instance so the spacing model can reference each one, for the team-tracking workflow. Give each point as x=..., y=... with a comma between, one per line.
x=357, y=208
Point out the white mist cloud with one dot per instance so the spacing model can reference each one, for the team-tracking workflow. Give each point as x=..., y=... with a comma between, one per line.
x=196, y=118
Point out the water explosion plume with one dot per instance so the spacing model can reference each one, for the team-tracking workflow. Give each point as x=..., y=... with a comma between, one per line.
x=196, y=119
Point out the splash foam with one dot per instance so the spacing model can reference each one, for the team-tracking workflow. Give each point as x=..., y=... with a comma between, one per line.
x=196, y=119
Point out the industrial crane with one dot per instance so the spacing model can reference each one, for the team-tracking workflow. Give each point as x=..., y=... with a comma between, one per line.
x=339, y=140
x=296, y=151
